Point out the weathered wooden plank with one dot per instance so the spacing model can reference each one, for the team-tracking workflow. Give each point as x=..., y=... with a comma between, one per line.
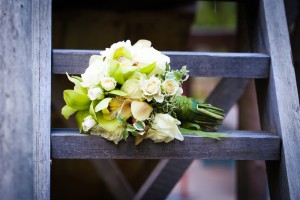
x=279, y=106
x=110, y=173
x=243, y=65
x=25, y=73
x=16, y=129
x=68, y=143
x=41, y=93
x=165, y=174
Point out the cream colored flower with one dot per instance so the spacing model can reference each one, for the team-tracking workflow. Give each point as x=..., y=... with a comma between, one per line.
x=171, y=87
x=108, y=83
x=95, y=93
x=116, y=136
x=152, y=89
x=93, y=74
x=88, y=123
x=164, y=129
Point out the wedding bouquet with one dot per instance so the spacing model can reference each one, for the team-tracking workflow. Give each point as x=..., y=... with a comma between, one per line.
x=132, y=90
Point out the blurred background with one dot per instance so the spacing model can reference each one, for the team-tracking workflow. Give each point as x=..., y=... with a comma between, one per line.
x=177, y=25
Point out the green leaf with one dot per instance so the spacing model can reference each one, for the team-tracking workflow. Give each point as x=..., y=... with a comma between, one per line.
x=189, y=125
x=103, y=104
x=178, y=76
x=121, y=121
x=80, y=115
x=130, y=128
x=117, y=92
x=168, y=67
x=125, y=134
x=134, y=133
x=139, y=125
x=109, y=125
x=122, y=51
x=76, y=100
x=213, y=135
x=92, y=109
x=67, y=111
x=170, y=75
x=148, y=69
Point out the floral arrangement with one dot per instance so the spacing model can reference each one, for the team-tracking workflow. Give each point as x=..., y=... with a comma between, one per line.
x=131, y=90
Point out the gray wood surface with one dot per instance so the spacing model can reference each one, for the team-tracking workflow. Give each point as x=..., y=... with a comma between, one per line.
x=280, y=104
x=68, y=143
x=25, y=99
x=16, y=129
x=41, y=67
x=227, y=92
x=162, y=179
x=110, y=173
x=41, y=95
x=243, y=65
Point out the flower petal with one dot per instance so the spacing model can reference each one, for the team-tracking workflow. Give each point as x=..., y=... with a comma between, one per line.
x=141, y=110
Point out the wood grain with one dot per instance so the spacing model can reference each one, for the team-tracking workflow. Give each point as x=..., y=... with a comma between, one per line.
x=279, y=104
x=243, y=65
x=25, y=74
x=68, y=143
x=16, y=156
x=41, y=96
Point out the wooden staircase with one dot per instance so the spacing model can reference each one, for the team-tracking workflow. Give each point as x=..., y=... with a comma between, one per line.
x=270, y=64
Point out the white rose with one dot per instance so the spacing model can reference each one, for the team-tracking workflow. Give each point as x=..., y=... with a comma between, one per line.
x=164, y=129
x=94, y=72
x=95, y=93
x=132, y=88
x=108, y=83
x=151, y=86
x=88, y=123
x=171, y=87
x=152, y=89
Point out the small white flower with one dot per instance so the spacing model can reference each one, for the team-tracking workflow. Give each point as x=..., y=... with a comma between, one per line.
x=95, y=93
x=88, y=123
x=164, y=129
x=94, y=72
x=108, y=83
x=152, y=89
x=171, y=87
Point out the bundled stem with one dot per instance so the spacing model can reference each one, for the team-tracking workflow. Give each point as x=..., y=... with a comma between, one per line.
x=208, y=117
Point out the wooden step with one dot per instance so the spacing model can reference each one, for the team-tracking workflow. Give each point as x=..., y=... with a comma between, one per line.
x=242, y=65
x=240, y=145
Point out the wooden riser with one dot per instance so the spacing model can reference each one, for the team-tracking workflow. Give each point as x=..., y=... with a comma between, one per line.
x=240, y=145
x=242, y=65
